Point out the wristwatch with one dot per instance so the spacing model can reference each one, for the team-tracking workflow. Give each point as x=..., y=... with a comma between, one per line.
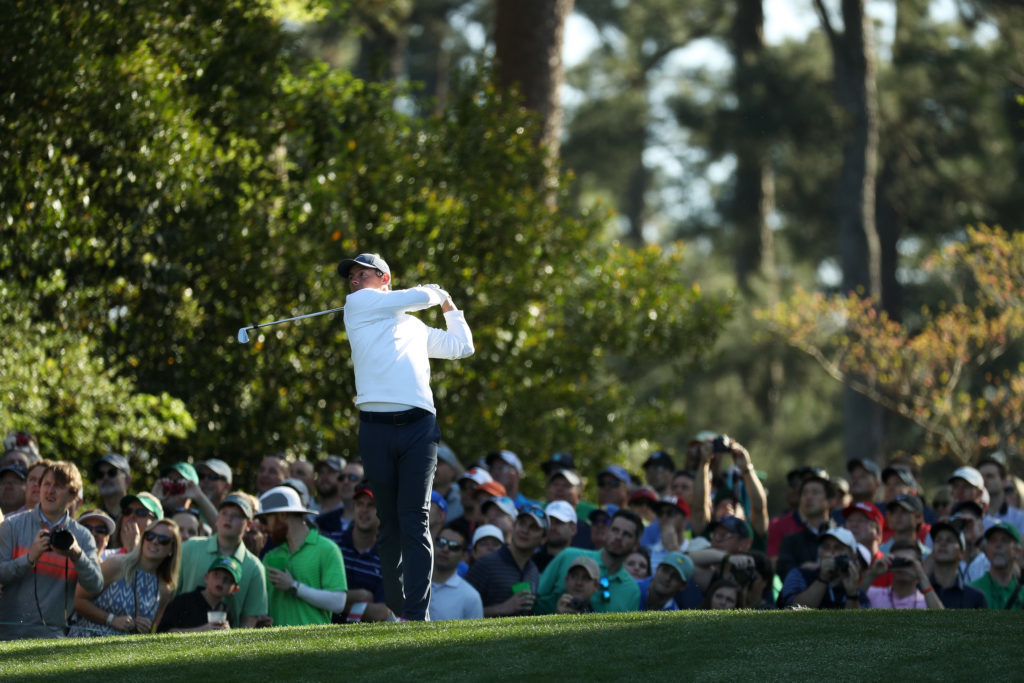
x=294, y=588
x=110, y=618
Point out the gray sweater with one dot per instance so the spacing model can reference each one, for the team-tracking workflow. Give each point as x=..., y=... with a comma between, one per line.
x=37, y=601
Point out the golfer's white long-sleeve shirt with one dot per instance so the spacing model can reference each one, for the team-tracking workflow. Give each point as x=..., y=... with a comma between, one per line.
x=391, y=350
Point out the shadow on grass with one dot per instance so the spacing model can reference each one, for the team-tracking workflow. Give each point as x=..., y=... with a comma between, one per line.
x=683, y=645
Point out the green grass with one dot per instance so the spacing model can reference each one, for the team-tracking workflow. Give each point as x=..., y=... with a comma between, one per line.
x=980, y=646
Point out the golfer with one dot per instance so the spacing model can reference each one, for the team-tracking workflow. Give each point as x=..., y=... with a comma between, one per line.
x=398, y=432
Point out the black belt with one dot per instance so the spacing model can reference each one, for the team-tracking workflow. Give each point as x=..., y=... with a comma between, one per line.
x=405, y=417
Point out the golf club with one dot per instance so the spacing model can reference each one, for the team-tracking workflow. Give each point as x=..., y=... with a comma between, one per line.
x=243, y=333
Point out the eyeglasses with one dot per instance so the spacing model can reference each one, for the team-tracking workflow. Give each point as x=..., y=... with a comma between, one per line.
x=722, y=535
x=98, y=529
x=106, y=474
x=606, y=592
x=350, y=477
x=533, y=510
x=211, y=476
x=162, y=539
x=140, y=512
x=453, y=546
x=608, y=484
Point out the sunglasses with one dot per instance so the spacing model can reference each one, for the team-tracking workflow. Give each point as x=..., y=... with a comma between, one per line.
x=609, y=484
x=98, y=529
x=350, y=477
x=453, y=546
x=105, y=474
x=141, y=512
x=606, y=593
x=162, y=539
x=211, y=476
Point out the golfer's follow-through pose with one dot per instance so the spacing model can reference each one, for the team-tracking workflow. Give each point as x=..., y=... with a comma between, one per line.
x=398, y=432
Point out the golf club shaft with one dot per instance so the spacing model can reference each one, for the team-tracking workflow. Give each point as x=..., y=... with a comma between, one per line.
x=298, y=317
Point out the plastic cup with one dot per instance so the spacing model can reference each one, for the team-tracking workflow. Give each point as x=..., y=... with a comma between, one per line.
x=216, y=616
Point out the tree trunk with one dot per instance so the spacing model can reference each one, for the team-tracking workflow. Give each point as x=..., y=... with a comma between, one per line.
x=754, y=198
x=528, y=36
x=859, y=247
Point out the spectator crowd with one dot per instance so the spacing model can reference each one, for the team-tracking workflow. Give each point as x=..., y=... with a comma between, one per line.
x=195, y=552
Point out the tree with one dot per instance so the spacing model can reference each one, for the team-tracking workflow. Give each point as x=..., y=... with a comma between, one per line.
x=943, y=373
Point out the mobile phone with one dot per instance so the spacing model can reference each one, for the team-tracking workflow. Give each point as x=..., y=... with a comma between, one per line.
x=520, y=587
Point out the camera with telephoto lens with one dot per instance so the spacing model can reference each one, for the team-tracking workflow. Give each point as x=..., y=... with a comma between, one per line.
x=174, y=488
x=61, y=539
x=721, y=444
x=841, y=563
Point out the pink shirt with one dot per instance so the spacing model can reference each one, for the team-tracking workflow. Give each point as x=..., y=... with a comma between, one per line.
x=884, y=598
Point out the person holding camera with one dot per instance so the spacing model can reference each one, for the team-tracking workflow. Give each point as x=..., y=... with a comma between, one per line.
x=834, y=584
x=44, y=553
x=178, y=487
x=741, y=475
x=911, y=587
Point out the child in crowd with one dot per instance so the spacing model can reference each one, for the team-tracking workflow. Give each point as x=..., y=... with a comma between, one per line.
x=191, y=611
x=581, y=582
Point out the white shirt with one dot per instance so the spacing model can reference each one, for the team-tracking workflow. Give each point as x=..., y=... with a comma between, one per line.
x=454, y=599
x=391, y=350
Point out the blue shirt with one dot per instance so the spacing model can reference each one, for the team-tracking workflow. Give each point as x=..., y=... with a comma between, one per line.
x=645, y=588
x=362, y=570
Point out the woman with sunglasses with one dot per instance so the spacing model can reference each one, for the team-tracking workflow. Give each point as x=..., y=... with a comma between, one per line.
x=138, y=511
x=101, y=526
x=138, y=586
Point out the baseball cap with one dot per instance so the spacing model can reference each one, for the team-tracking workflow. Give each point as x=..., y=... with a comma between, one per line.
x=618, y=472
x=864, y=553
x=680, y=562
x=477, y=475
x=184, y=469
x=844, y=536
x=868, y=509
x=22, y=442
x=492, y=488
x=17, y=468
x=570, y=476
x=559, y=460
x=228, y=564
x=948, y=526
x=146, y=500
x=997, y=458
x=446, y=454
x=867, y=464
x=672, y=503
x=435, y=497
x=487, y=531
x=599, y=516
x=643, y=494
x=537, y=513
x=507, y=457
x=107, y=520
x=968, y=505
x=504, y=503
x=905, y=475
x=970, y=475
x=659, y=459
x=907, y=501
x=562, y=511
x=365, y=490
x=335, y=462
x=218, y=467
x=281, y=499
x=238, y=501
x=369, y=260
x=1003, y=525
x=588, y=564
x=114, y=460
x=733, y=524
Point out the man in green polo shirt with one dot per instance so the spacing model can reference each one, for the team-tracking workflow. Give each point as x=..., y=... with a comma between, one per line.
x=247, y=606
x=305, y=572
x=1000, y=586
x=618, y=591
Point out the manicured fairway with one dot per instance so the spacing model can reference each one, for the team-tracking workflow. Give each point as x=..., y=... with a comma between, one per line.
x=806, y=645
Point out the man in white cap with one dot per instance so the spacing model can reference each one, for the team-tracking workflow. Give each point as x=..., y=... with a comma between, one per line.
x=214, y=479
x=306, y=581
x=113, y=478
x=398, y=432
x=506, y=468
x=562, y=518
x=834, y=584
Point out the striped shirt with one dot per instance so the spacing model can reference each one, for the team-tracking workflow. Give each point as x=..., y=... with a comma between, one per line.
x=362, y=569
x=494, y=575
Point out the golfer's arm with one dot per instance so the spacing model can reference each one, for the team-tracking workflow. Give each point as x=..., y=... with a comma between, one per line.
x=453, y=343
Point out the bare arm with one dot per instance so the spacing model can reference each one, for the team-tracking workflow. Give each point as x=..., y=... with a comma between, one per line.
x=702, y=493
x=758, y=499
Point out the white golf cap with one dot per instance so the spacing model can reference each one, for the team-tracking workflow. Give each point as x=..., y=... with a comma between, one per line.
x=503, y=503
x=507, y=457
x=970, y=475
x=562, y=511
x=218, y=467
x=478, y=474
x=281, y=499
x=487, y=531
x=844, y=536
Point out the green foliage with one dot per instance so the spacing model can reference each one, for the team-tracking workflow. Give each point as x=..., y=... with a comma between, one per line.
x=182, y=177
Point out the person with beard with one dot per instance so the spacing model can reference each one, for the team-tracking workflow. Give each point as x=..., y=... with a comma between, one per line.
x=1001, y=586
x=338, y=490
x=247, y=606
x=618, y=591
x=507, y=578
x=306, y=581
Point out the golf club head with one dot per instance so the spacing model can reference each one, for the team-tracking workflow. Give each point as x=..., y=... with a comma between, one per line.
x=243, y=335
